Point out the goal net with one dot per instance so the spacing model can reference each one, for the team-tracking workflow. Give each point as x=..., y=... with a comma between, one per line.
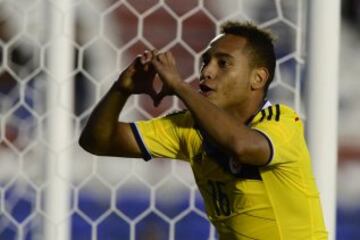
x=111, y=198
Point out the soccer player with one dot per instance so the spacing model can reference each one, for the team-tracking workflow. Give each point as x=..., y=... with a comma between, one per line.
x=248, y=156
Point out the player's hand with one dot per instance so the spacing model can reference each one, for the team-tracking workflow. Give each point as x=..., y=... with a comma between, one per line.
x=138, y=77
x=165, y=66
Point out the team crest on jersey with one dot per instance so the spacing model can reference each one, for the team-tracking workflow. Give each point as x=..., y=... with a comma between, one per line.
x=235, y=166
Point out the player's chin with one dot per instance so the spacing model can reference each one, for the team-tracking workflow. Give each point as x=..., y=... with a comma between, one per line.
x=211, y=97
x=208, y=94
x=214, y=100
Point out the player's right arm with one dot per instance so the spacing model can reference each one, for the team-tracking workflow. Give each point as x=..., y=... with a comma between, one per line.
x=103, y=133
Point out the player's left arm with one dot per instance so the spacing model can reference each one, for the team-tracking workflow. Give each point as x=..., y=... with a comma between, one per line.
x=245, y=144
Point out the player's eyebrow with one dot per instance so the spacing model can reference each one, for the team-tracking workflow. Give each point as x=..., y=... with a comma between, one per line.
x=208, y=54
x=223, y=55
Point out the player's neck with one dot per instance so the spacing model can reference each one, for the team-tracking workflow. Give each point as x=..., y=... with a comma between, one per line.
x=247, y=109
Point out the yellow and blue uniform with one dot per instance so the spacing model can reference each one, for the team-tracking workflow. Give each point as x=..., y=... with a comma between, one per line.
x=276, y=201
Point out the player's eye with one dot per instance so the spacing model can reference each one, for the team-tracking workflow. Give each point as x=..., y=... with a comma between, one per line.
x=223, y=63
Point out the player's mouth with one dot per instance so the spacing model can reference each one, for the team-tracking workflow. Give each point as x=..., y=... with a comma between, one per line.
x=205, y=90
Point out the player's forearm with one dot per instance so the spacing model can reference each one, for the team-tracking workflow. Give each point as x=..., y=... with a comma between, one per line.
x=96, y=135
x=225, y=130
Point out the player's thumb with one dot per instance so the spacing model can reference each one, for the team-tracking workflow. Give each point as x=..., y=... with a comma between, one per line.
x=152, y=93
x=159, y=97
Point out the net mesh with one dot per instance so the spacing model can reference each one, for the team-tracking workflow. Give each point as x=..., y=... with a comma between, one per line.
x=112, y=198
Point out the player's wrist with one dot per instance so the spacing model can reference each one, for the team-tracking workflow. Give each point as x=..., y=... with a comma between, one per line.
x=122, y=89
x=180, y=86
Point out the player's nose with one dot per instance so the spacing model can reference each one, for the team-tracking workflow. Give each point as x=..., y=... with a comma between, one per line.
x=207, y=72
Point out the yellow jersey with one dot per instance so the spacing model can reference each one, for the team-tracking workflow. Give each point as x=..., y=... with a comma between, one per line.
x=277, y=201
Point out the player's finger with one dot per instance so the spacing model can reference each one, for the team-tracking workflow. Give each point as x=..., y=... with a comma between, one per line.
x=171, y=58
x=137, y=61
x=154, y=53
x=151, y=69
x=154, y=57
x=168, y=54
x=165, y=91
x=161, y=57
x=142, y=58
x=159, y=97
x=152, y=93
x=147, y=55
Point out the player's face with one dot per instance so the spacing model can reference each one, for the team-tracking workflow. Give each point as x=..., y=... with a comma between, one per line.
x=225, y=72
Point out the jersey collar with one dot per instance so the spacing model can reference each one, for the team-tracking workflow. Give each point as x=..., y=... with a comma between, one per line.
x=266, y=103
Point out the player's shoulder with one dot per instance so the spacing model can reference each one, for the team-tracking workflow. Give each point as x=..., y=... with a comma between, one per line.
x=276, y=113
x=179, y=113
x=182, y=116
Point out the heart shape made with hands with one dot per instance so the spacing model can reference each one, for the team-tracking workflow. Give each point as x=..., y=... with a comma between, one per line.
x=148, y=74
x=161, y=90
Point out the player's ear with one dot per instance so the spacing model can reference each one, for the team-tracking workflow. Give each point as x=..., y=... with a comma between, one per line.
x=259, y=77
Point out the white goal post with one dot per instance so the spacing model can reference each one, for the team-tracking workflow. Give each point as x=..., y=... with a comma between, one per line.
x=322, y=101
